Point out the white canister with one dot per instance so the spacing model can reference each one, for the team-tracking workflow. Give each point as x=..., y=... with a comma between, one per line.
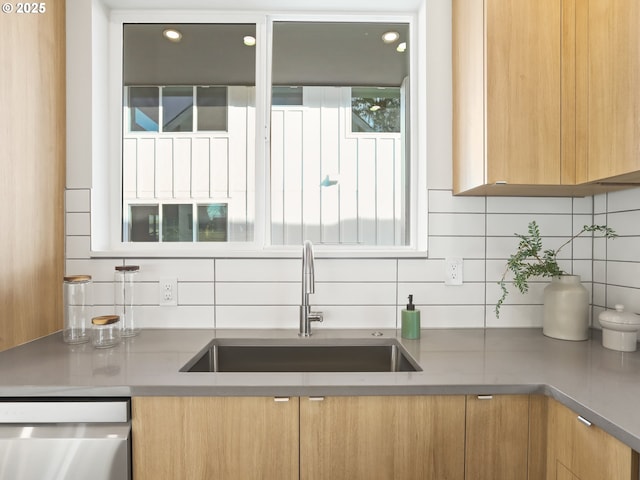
x=566, y=309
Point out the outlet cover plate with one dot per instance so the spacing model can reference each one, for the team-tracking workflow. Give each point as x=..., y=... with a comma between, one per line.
x=168, y=291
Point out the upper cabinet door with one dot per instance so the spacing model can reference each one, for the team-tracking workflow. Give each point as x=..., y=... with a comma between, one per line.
x=609, y=82
x=522, y=75
x=507, y=94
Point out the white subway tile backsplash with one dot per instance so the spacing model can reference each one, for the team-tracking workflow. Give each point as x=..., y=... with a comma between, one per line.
x=464, y=247
x=583, y=205
x=176, y=317
x=441, y=294
x=623, y=200
x=258, y=293
x=584, y=268
x=454, y=224
x=370, y=293
x=549, y=225
x=443, y=201
x=193, y=293
x=185, y=270
x=354, y=270
x=101, y=270
x=78, y=223
x=103, y=295
x=629, y=297
x=258, y=270
x=78, y=247
x=516, y=316
x=357, y=293
x=599, y=294
x=529, y=205
x=347, y=316
x=450, y=316
x=620, y=249
x=427, y=270
x=623, y=273
x=252, y=316
x=600, y=271
x=624, y=223
x=600, y=203
x=77, y=201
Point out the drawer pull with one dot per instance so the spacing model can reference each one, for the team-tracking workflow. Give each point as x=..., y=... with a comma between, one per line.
x=316, y=399
x=584, y=420
x=280, y=399
x=485, y=397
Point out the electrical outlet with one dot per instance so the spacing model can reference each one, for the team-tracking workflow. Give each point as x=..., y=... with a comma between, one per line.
x=168, y=291
x=453, y=271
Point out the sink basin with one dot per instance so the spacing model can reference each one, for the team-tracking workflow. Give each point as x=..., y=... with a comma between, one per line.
x=260, y=355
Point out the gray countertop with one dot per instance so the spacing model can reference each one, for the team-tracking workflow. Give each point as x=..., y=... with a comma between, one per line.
x=600, y=384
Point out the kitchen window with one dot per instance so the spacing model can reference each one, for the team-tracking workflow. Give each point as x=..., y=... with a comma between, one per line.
x=336, y=164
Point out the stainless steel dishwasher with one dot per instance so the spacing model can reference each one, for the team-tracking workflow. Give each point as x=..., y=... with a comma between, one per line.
x=65, y=440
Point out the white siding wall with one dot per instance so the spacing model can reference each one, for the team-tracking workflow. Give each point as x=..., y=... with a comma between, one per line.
x=198, y=167
x=313, y=141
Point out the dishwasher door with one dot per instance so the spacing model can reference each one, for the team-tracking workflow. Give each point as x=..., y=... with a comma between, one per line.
x=65, y=440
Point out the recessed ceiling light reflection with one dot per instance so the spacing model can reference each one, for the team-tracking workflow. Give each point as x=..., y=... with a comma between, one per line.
x=172, y=34
x=249, y=41
x=390, y=37
x=402, y=47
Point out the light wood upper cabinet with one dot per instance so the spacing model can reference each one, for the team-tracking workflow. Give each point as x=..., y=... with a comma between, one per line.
x=395, y=437
x=576, y=451
x=608, y=89
x=497, y=437
x=507, y=95
x=546, y=97
x=201, y=438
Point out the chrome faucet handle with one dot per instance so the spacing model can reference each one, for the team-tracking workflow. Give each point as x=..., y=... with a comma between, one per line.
x=316, y=317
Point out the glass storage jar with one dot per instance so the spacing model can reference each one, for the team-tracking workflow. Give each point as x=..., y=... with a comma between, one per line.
x=77, y=301
x=105, y=331
x=125, y=294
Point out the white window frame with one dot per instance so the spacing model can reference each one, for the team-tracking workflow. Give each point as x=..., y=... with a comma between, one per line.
x=106, y=198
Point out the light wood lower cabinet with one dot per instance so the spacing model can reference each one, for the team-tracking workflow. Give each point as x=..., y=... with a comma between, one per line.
x=203, y=438
x=427, y=437
x=396, y=437
x=244, y=438
x=577, y=451
x=497, y=437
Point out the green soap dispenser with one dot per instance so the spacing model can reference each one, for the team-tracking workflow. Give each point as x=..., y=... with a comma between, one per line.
x=411, y=321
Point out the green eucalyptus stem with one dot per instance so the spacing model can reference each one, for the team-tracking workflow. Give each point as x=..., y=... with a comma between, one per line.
x=531, y=261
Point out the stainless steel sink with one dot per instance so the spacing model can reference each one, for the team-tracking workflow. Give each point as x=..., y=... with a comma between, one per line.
x=260, y=355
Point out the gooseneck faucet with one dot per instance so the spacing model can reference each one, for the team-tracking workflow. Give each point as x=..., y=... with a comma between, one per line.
x=308, y=287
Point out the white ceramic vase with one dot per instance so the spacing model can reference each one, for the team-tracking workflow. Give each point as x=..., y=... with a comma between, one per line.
x=566, y=309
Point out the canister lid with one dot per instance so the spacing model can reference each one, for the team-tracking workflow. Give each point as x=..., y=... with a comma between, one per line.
x=128, y=268
x=77, y=278
x=105, y=319
x=620, y=316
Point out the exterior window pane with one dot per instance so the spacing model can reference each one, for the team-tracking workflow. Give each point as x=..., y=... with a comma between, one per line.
x=212, y=109
x=143, y=223
x=286, y=96
x=177, y=223
x=177, y=109
x=340, y=163
x=375, y=109
x=212, y=222
x=144, y=105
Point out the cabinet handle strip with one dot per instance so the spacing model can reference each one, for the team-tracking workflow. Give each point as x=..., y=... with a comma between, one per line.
x=584, y=420
x=316, y=399
x=281, y=399
x=485, y=397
